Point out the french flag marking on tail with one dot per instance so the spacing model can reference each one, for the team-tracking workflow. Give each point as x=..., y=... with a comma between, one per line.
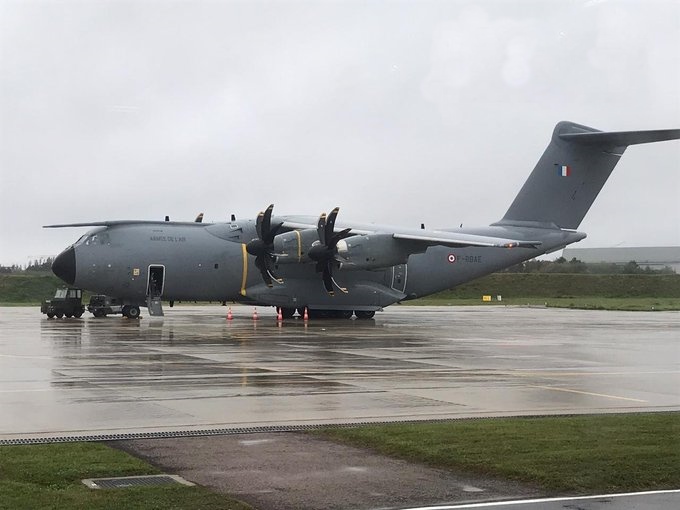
x=563, y=170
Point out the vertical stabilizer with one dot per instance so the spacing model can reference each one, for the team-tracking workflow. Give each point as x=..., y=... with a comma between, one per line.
x=571, y=173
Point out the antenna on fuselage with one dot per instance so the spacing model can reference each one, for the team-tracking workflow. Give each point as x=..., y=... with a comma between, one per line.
x=167, y=218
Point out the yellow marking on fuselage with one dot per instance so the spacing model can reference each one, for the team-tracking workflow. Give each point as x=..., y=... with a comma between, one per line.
x=245, y=270
x=299, y=238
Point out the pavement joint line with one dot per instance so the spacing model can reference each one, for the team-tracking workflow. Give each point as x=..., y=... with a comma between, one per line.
x=265, y=429
x=490, y=504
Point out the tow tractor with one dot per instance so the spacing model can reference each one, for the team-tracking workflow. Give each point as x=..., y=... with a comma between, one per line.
x=67, y=302
x=101, y=305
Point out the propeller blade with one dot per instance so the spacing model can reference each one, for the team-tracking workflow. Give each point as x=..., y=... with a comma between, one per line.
x=324, y=251
x=338, y=237
x=328, y=279
x=321, y=228
x=262, y=266
x=330, y=224
x=262, y=247
x=258, y=224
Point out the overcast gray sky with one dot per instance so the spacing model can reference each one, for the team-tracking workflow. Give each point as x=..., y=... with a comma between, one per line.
x=398, y=112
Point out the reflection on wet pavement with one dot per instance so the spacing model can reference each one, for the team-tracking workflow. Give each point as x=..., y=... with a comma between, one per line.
x=194, y=369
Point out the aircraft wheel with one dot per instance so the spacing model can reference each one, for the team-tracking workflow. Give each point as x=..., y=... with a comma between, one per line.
x=131, y=312
x=288, y=313
x=364, y=314
x=59, y=315
x=50, y=315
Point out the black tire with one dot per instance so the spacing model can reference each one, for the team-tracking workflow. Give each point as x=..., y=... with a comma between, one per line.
x=68, y=315
x=78, y=314
x=50, y=315
x=288, y=313
x=364, y=314
x=345, y=314
x=59, y=315
x=131, y=312
x=98, y=313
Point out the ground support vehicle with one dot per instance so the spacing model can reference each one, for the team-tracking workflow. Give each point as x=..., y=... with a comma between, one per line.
x=101, y=305
x=67, y=302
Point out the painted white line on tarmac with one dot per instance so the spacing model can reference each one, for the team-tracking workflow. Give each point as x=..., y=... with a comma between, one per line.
x=567, y=390
x=491, y=504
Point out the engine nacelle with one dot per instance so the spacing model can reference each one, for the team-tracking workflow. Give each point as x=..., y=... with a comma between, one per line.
x=373, y=251
x=293, y=246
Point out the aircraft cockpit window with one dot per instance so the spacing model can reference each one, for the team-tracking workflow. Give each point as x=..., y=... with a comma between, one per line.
x=80, y=241
x=101, y=238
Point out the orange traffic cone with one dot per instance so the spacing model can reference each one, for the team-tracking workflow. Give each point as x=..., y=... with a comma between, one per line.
x=255, y=313
x=305, y=316
x=279, y=315
x=230, y=316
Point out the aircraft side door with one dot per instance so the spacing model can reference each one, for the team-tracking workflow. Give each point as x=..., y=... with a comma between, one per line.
x=156, y=280
x=399, y=275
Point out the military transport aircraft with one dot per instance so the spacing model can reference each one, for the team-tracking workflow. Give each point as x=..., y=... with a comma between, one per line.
x=340, y=269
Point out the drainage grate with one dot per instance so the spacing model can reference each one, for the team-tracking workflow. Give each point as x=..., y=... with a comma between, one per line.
x=123, y=482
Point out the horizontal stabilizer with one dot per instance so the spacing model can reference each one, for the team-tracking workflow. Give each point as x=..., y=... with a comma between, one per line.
x=622, y=138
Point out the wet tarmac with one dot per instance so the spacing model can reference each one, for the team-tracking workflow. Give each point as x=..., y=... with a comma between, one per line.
x=192, y=369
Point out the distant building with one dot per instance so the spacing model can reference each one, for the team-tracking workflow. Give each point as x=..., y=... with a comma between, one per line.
x=656, y=257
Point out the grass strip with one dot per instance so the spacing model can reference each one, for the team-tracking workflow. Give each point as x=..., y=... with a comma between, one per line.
x=658, y=304
x=49, y=476
x=576, y=455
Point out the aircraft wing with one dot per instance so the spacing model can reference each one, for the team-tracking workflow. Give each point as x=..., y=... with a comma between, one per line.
x=426, y=237
x=457, y=240
x=114, y=223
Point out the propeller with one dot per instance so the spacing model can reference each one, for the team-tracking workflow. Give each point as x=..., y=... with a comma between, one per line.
x=323, y=251
x=263, y=247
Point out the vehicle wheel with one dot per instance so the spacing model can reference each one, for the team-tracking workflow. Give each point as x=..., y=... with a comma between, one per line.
x=131, y=312
x=345, y=314
x=98, y=313
x=50, y=315
x=59, y=315
x=364, y=314
x=288, y=313
x=78, y=315
x=68, y=315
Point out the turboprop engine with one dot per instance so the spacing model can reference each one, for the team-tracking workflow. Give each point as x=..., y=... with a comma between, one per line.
x=293, y=247
x=372, y=251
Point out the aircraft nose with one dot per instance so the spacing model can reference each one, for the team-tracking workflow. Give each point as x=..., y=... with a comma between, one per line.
x=64, y=266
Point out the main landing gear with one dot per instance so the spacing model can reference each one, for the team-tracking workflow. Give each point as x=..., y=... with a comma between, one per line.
x=328, y=314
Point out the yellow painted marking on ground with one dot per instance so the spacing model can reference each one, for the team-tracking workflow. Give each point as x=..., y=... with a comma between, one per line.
x=245, y=270
x=588, y=393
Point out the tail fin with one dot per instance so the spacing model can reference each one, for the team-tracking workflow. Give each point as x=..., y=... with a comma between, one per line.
x=571, y=173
